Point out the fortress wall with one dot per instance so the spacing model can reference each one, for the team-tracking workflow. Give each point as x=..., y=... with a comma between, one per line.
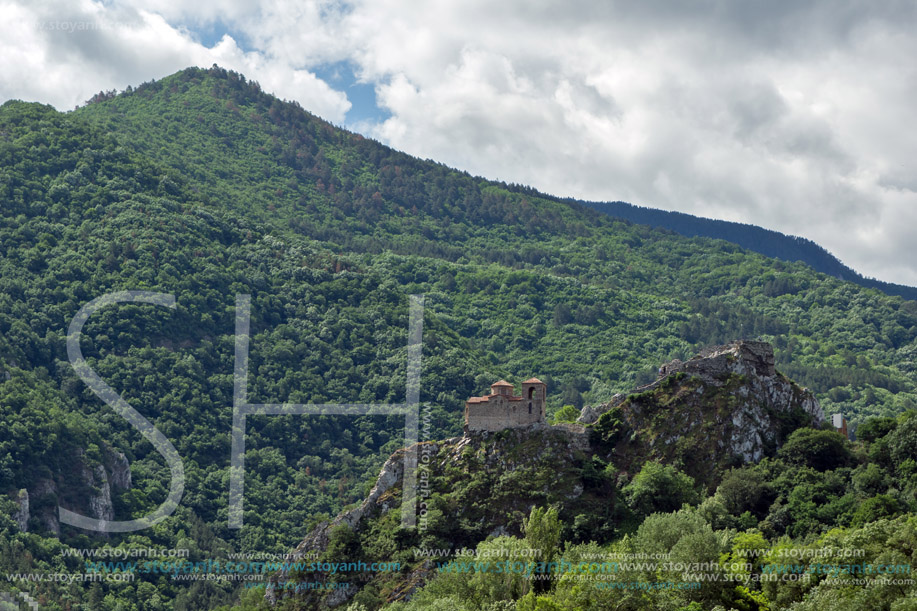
x=485, y=417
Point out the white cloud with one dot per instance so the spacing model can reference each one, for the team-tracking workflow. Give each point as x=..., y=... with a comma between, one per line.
x=792, y=115
x=795, y=118
x=62, y=53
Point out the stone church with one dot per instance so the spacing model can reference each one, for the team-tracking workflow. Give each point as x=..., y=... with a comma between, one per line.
x=501, y=409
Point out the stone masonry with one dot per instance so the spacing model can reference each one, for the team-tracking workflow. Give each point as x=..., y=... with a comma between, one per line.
x=501, y=409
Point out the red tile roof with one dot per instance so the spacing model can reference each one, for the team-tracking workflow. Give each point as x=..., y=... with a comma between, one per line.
x=487, y=398
x=502, y=383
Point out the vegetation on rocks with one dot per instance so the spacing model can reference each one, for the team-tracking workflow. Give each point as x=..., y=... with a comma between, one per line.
x=203, y=187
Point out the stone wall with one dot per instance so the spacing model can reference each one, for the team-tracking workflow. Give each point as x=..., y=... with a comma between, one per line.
x=501, y=409
x=500, y=413
x=741, y=356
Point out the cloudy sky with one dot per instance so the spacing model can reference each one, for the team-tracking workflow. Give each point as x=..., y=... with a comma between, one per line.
x=796, y=116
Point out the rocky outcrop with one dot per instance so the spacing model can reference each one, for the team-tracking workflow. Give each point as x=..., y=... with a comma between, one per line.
x=728, y=405
x=724, y=407
x=44, y=494
x=589, y=414
x=379, y=501
x=119, y=471
x=742, y=357
x=22, y=510
x=100, y=504
x=514, y=470
x=391, y=475
x=85, y=488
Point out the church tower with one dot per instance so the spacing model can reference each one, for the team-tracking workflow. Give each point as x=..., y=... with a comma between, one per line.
x=534, y=392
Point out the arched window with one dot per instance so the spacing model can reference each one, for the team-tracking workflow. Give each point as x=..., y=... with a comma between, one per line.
x=531, y=393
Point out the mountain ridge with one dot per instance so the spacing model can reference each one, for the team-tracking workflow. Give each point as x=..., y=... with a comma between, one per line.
x=757, y=239
x=767, y=242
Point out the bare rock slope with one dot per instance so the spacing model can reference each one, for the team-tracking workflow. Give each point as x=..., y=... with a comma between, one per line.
x=726, y=406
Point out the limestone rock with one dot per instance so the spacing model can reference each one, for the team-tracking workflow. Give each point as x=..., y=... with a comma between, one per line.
x=725, y=406
x=551, y=455
x=589, y=414
x=119, y=471
x=70, y=490
x=390, y=475
x=100, y=504
x=48, y=517
x=22, y=513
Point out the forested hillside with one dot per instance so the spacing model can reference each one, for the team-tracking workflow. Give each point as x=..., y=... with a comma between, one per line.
x=764, y=241
x=202, y=186
x=594, y=284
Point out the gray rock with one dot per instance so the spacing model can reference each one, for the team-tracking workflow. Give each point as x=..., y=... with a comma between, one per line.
x=119, y=471
x=22, y=513
x=100, y=504
x=589, y=414
x=757, y=395
x=48, y=518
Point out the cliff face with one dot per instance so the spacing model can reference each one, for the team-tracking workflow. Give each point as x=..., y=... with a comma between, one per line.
x=726, y=406
x=83, y=488
x=469, y=488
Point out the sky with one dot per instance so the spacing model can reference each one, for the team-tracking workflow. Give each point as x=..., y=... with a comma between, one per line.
x=798, y=116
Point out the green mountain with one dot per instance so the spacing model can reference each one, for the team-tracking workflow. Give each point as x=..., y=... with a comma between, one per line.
x=593, y=282
x=765, y=241
x=203, y=187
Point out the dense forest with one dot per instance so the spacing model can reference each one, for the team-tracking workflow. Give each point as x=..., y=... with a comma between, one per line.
x=203, y=187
